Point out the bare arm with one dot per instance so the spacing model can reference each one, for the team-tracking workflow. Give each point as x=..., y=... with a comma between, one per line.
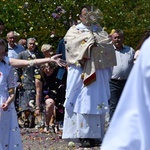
x=24, y=63
x=38, y=85
x=136, y=55
x=9, y=100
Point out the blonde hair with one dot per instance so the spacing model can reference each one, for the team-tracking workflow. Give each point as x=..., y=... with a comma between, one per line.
x=46, y=47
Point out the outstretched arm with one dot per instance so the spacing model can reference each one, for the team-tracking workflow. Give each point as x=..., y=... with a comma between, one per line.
x=25, y=63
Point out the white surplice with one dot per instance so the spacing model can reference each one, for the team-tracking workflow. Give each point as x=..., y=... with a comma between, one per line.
x=85, y=106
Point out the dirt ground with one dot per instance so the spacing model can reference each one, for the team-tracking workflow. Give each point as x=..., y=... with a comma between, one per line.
x=36, y=139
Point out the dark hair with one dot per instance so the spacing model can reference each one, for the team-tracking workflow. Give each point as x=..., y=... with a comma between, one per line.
x=146, y=34
x=52, y=65
x=120, y=32
x=88, y=7
x=1, y=22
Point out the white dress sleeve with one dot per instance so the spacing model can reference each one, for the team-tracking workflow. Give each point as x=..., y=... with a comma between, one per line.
x=11, y=78
x=7, y=60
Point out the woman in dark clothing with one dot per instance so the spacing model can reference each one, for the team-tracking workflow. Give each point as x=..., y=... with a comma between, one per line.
x=45, y=85
x=49, y=94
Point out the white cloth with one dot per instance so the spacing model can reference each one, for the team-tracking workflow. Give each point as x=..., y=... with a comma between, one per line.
x=124, y=65
x=91, y=99
x=130, y=126
x=13, y=52
x=85, y=106
x=83, y=126
x=10, y=138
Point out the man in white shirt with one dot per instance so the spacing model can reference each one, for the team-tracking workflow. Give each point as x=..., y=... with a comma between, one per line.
x=13, y=48
x=124, y=57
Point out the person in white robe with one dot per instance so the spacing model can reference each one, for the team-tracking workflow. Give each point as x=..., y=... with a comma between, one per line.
x=87, y=91
x=129, y=128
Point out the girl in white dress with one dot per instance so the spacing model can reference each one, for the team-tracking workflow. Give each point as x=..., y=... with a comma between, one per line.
x=10, y=138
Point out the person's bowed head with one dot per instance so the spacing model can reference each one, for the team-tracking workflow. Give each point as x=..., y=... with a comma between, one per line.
x=48, y=68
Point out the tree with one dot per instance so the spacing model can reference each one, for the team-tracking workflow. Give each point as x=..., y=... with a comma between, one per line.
x=48, y=20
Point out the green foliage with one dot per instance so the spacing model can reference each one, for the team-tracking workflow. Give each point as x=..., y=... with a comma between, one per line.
x=33, y=18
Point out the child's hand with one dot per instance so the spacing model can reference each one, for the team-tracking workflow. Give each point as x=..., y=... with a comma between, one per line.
x=4, y=106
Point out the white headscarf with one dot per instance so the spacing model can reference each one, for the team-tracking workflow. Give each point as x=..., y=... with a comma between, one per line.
x=130, y=125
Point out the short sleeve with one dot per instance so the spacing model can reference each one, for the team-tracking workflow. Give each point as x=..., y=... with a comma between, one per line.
x=7, y=60
x=37, y=74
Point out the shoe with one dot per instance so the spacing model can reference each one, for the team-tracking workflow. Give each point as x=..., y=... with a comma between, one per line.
x=87, y=142
x=39, y=125
x=57, y=128
x=52, y=127
x=26, y=123
x=46, y=129
x=84, y=143
x=61, y=125
x=92, y=142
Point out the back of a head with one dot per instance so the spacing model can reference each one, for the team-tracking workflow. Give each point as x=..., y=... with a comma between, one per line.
x=23, y=42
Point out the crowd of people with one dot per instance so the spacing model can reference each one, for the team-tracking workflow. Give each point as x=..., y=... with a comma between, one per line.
x=28, y=79
x=78, y=84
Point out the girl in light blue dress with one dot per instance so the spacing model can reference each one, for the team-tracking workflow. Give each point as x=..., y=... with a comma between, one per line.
x=10, y=138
